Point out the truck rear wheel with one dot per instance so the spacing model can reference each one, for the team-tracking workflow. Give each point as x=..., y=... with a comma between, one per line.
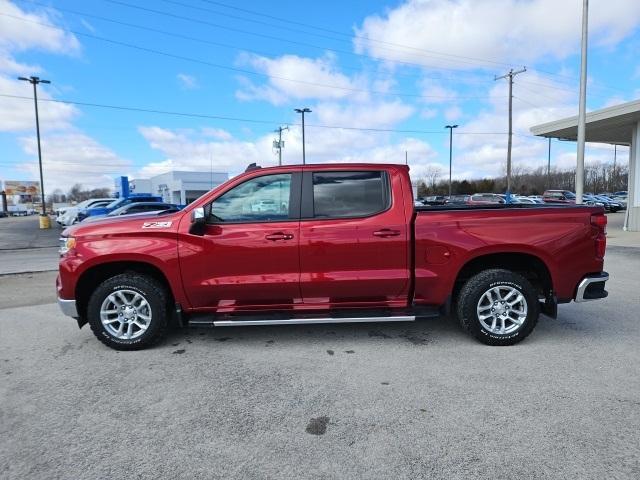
x=128, y=312
x=498, y=307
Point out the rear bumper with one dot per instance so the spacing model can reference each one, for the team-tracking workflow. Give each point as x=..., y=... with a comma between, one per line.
x=68, y=307
x=592, y=287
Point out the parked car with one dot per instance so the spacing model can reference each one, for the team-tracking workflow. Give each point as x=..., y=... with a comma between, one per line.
x=524, y=200
x=589, y=199
x=350, y=248
x=69, y=215
x=621, y=199
x=434, y=200
x=487, y=198
x=459, y=199
x=609, y=204
x=559, y=196
x=120, y=202
x=133, y=208
x=3, y=214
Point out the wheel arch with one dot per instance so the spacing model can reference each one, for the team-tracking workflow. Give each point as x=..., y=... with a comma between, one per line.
x=93, y=276
x=528, y=265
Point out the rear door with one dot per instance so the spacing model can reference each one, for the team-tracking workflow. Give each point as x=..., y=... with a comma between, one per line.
x=354, y=239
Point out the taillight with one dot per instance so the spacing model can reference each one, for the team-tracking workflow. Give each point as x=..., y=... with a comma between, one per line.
x=599, y=220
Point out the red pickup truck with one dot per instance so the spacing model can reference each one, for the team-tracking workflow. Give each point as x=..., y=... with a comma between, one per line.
x=328, y=244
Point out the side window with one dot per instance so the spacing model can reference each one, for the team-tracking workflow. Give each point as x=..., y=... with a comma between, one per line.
x=260, y=199
x=349, y=194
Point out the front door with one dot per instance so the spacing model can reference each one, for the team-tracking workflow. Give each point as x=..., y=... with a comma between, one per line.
x=248, y=256
x=354, y=240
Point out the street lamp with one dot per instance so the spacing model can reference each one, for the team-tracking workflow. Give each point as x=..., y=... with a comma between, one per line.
x=302, y=111
x=35, y=81
x=450, y=127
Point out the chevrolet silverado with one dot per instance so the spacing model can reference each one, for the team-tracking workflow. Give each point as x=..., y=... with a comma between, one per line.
x=327, y=244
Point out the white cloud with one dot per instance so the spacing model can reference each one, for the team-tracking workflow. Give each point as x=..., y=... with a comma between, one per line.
x=72, y=157
x=16, y=114
x=452, y=113
x=217, y=133
x=21, y=35
x=313, y=73
x=193, y=150
x=188, y=82
x=498, y=30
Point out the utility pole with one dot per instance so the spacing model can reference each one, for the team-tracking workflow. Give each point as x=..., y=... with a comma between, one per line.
x=582, y=109
x=279, y=144
x=35, y=81
x=302, y=111
x=450, y=127
x=549, y=166
x=510, y=76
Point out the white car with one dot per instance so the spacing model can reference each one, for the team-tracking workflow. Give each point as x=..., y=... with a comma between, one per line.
x=621, y=199
x=68, y=216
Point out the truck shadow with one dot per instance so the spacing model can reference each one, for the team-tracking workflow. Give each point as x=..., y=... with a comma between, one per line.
x=570, y=326
x=422, y=332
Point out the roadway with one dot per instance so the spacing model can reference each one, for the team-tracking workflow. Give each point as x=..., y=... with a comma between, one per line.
x=409, y=400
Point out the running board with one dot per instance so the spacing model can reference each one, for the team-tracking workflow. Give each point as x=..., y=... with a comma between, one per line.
x=298, y=321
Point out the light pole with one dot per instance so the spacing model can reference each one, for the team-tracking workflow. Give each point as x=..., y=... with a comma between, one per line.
x=35, y=81
x=450, y=127
x=582, y=105
x=549, y=166
x=302, y=111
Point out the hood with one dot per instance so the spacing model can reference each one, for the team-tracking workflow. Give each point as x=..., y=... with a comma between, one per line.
x=123, y=224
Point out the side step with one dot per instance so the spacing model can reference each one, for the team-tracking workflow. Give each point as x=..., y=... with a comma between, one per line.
x=299, y=321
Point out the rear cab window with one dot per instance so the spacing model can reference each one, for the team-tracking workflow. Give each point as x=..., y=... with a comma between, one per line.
x=349, y=194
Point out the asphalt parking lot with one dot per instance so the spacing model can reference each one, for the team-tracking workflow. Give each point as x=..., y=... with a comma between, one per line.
x=26, y=248
x=340, y=401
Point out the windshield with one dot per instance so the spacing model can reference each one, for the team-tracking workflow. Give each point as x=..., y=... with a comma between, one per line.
x=116, y=203
x=569, y=195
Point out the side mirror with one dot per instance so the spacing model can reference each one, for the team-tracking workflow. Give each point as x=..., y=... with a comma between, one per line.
x=198, y=221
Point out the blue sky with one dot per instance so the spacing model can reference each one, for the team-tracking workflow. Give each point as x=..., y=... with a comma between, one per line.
x=407, y=68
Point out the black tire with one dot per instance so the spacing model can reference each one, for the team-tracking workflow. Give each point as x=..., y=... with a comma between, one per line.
x=152, y=292
x=471, y=293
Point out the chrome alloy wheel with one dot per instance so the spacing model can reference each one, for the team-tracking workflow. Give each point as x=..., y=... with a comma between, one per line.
x=125, y=314
x=502, y=310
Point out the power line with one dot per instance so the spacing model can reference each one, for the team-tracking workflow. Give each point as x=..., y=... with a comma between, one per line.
x=238, y=119
x=378, y=58
x=554, y=87
x=236, y=69
x=253, y=12
x=230, y=46
x=348, y=37
x=272, y=37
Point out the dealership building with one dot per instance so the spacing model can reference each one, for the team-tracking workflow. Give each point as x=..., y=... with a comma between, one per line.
x=177, y=186
x=617, y=125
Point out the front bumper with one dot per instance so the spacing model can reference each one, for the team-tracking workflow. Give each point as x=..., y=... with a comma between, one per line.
x=592, y=287
x=68, y=307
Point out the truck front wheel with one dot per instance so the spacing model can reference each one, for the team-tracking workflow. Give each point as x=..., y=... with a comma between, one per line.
x=498, y=307
x=128, y=311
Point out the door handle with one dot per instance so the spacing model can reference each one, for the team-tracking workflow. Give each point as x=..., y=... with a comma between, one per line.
x=386, y=232
x=278, y=236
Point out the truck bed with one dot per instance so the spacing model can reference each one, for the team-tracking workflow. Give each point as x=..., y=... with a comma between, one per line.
x=450, y=238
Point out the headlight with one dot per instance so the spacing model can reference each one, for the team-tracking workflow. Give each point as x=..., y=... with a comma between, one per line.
x=66, y=244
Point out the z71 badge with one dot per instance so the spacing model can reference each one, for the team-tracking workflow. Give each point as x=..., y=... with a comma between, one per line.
x=156, y=224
